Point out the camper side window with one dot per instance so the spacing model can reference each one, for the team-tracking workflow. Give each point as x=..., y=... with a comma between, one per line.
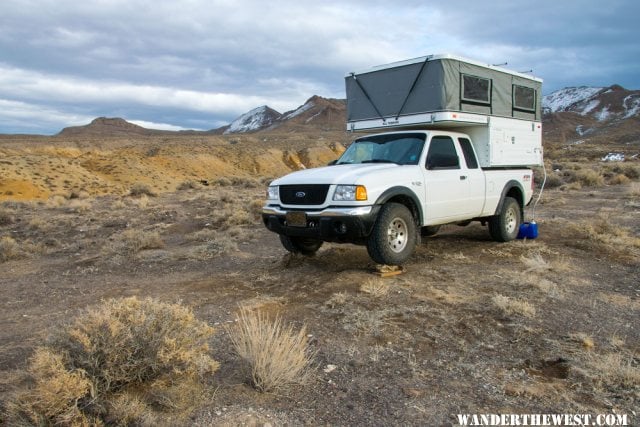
x=524, y=98
x=476, y=90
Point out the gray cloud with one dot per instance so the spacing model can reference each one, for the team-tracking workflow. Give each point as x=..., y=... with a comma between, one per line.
x=199, y=64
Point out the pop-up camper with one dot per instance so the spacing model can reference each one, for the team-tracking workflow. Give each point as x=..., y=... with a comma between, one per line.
x=498, y=108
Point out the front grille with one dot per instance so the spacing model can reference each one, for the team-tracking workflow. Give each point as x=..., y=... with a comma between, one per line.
x=310, y=194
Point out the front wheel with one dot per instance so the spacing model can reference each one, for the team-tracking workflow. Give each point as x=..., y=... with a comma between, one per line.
x=300, y=245
x=504, y=227
x=394, y=235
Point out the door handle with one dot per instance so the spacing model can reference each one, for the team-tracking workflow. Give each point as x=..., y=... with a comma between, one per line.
x=463, y=177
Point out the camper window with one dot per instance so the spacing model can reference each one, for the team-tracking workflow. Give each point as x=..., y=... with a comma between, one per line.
x=524, y=98
x=476, y=89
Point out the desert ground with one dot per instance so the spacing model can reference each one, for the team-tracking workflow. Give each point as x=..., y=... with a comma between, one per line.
x=550, y=325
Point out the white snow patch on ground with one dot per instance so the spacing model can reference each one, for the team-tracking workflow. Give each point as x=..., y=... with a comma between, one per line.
x=631, y=105
x=590, y=107
x=613, y=157
x=603, y=114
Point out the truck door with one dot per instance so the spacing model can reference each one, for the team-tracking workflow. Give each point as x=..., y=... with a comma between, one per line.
x=475, y=178
x=447, y=182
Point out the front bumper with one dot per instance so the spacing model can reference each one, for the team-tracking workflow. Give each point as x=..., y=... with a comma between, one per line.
x=333, y=224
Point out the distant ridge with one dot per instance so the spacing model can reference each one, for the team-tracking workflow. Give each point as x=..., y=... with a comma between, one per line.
x=570, y=114
x=104, y=126
x=317, y=113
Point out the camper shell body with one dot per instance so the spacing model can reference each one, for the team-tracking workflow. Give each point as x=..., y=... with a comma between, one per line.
x=498, y=108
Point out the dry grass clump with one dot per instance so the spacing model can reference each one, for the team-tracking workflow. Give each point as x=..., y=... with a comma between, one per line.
x=586, y=341
x=142, y=202
x=124, y=362
x=189, y=185
x=9, y=249
x=139, y=189
x=629, y=170
x=6, y=217
x=337, y=299
x=215, y=242
x=238, y=181
x=79, y=205
x=56, y=201
x=634, y=190
x=133, y=241
x=511, y=306
x=588, y=177
x=276, y=355
x=615, y=370
x=554, y=180
x=619, y=179
x=375, y=287
x=605, y=236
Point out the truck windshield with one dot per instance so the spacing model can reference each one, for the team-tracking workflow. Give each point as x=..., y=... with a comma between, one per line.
x=401, y=149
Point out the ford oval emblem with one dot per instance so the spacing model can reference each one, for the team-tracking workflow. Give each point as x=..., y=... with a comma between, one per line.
x=300, y=194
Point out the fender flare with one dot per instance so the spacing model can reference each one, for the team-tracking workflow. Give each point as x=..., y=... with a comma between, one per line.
x=507, y=188
x=392, y=192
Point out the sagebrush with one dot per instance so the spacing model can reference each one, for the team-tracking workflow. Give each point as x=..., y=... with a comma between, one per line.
x=126, y=361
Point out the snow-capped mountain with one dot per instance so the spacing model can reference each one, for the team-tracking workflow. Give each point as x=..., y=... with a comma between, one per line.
x=316, y=113
x=562, y=99
x=256, y=119
x=602, y=104
x=578, y=114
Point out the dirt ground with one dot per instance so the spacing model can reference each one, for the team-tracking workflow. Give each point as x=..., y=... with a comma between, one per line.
x=550, y=325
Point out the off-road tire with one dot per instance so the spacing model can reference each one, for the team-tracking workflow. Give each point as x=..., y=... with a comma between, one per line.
x=504, y=227
x=301, y=245
x=394, y=235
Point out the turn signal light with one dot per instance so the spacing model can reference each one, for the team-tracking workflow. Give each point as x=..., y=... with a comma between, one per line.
x=361, y=193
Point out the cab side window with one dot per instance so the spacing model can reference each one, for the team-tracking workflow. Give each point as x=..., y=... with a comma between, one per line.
x=442, y=154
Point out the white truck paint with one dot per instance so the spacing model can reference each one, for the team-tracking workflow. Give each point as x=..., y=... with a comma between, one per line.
x=422, y=190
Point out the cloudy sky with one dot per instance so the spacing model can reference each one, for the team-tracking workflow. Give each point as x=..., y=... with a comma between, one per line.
x=198, y=64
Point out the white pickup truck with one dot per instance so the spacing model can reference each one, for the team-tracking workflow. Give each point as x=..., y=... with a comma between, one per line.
x=459, y=140
x=388, y=189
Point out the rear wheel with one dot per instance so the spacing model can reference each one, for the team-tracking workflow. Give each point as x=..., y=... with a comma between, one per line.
x=504, y=227
x=394, y=235
x=300, y=245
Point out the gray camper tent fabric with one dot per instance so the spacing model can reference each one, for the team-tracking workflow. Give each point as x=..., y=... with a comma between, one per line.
x=441, y=84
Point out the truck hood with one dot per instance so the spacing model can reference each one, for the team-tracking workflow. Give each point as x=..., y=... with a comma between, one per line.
x=337, y=174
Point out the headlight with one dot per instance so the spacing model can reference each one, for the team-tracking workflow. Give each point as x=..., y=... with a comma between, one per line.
x=273, y=192
x=350, y=193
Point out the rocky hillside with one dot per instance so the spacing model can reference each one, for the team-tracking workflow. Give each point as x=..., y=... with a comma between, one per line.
x=316, y=113
x=252, y=121
x=575, y=115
